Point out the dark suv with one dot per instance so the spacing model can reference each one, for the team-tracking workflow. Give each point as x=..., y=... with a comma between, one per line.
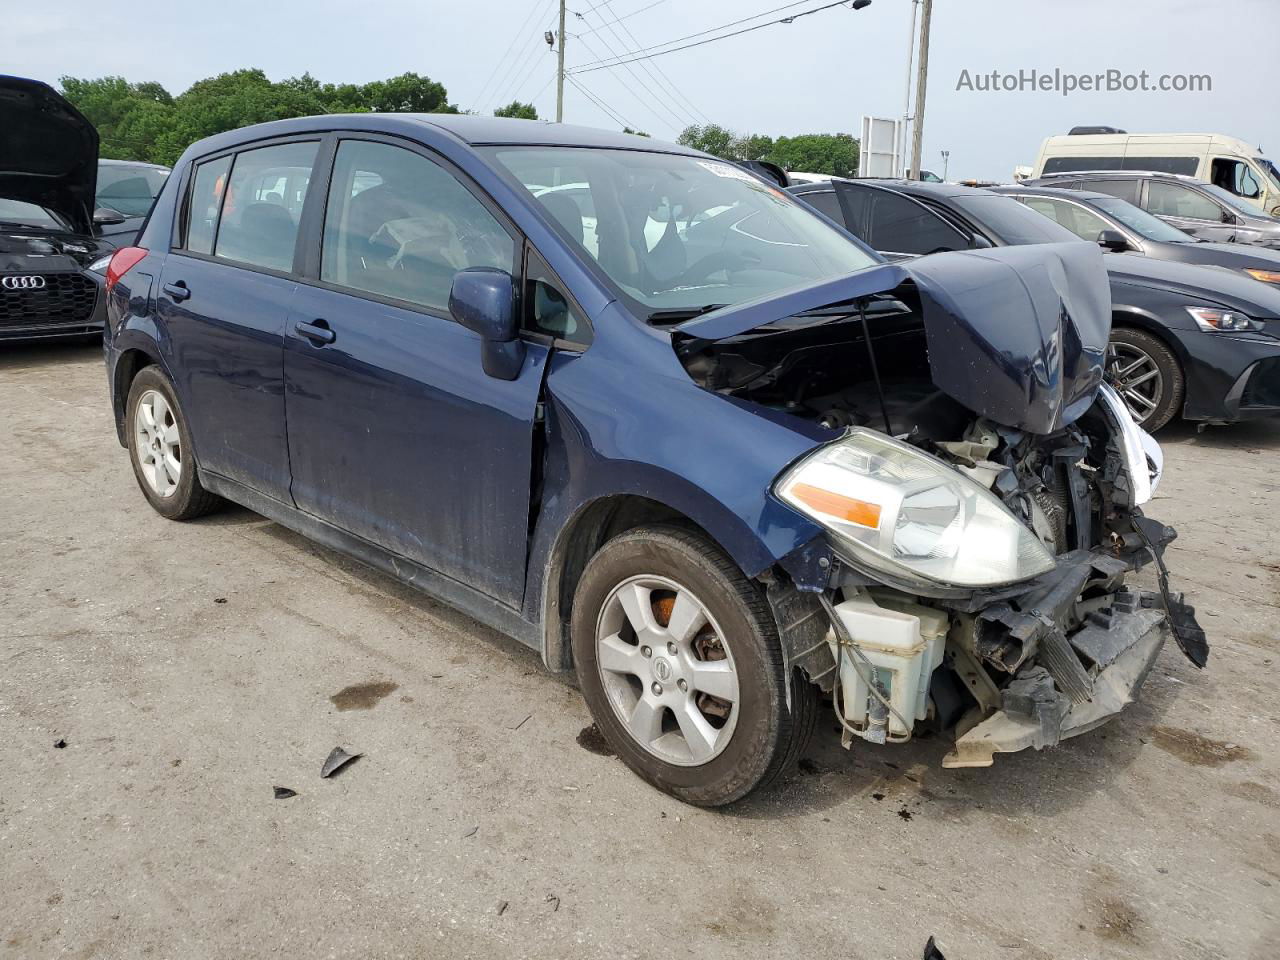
x=616, y=398
x=1193, y=206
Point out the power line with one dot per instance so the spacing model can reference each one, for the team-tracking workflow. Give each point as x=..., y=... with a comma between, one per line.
x=680, y=121
x=660, y=77
x=533, y=9
x=645, y=54
x=625, y=16
x=518, y=64
x=617, y=117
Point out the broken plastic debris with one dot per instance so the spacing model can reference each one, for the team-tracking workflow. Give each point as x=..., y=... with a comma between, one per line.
x=60, y=744
x=219, y=599
x=931, y=951
x=502, y=907
x=552, y=899
x=336, y=761
x=284, y=793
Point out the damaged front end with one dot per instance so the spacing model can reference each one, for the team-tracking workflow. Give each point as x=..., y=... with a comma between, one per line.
x=981, y=497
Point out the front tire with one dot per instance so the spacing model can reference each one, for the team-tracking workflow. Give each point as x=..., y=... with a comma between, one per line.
x=1147, y=375
x=160, y=449
x=678, y=658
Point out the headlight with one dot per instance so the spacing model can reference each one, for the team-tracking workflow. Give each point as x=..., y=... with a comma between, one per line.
x=908, y=514
x=1211, y=318
x=100, y=265
x=1266, y=276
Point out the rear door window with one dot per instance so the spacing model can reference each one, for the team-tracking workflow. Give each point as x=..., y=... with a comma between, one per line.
x=1174, y=200
x=400, y=226
x=203, y=203
x=263, y=203
x=1124, y=189
x=1075, y=218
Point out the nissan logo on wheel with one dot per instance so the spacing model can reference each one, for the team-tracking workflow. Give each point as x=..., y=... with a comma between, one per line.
x=22, y=283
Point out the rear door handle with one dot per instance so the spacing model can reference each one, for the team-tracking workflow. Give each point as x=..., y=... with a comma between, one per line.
x=317, y=332
x=177, y=291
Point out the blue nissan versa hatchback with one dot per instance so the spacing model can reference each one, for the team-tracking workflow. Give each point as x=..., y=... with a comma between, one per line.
x=658, y=420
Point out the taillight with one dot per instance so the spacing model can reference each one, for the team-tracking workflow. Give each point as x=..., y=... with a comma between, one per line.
x=122, y=261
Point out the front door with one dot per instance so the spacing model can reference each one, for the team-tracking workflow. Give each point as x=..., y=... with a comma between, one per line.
x=396, y=434
x=224, y=297
x=1190, y=211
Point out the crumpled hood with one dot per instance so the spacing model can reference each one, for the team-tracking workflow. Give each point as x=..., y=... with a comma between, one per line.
x=48, y=151
x=1016, y=334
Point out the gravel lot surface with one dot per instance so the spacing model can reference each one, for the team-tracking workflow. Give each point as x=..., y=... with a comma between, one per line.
x=191, y=668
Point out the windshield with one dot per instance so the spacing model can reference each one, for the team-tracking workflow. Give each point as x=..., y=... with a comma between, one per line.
x=129, y=188
x=17, y=213
x=1141, y=222
x=1010, y=221
x=1270, y=170
x=1231, y=200
x=678, y=233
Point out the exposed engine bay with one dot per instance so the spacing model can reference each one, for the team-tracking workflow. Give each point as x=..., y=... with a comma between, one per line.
x=1004, y=665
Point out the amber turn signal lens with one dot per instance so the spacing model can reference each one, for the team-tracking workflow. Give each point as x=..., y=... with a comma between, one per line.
x=1266, y=276
x=844, y=508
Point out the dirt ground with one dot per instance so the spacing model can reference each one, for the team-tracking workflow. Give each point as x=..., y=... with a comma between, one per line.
x=191, y=668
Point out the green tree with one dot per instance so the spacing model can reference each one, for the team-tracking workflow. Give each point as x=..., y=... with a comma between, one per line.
x=108, y=103
x=522, y=111
x=407, y=93
x=638, y=133
x=831, y=153
x=709, y=138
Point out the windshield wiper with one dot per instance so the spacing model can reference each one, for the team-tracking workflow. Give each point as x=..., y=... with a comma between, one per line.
x=682, y=313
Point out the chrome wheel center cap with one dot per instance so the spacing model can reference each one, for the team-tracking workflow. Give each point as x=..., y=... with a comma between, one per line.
x=662, y=669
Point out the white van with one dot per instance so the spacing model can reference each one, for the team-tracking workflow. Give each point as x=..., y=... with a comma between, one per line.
x=1227, y=162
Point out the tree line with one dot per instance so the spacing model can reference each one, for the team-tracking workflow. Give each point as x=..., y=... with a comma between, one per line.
x=143, y=121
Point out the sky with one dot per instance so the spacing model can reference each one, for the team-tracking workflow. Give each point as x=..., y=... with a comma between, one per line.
x=821, y=73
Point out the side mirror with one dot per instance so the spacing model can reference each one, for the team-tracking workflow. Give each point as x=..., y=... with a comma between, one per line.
x=979, y=242
x=1113, y=240
x=482, y=299
x=1229, y=217
x=105, y=217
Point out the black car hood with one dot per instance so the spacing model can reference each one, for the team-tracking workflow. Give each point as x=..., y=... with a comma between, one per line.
x=1226, y=287
x=1016, y=334
x=48, y=151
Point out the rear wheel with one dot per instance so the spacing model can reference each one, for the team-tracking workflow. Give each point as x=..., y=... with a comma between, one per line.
x=1146, y=374
x=678, y=657
x=160, y=449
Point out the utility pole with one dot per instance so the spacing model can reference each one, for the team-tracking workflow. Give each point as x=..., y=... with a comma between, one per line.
x=917, y=130
x=906, y=97
x=560, y=69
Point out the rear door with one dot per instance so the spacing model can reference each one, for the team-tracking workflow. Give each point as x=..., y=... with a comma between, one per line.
x=396, y=434
x=223, y=301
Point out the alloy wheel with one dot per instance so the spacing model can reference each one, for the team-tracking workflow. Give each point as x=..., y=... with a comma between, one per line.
x=667, y=670
x=1136, y=377
x=157, y=443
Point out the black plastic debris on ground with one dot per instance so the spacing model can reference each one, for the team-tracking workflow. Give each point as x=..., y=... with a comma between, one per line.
x=284, y=793
x=337, y=761
x=931, y=951
x=59, y=744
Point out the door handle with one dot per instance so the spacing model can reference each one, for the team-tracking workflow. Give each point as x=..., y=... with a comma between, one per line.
x=317, y=332
x=177, y=291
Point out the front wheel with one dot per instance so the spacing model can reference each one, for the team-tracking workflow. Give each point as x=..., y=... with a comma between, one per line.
x=678, y=657
x=1146, y=374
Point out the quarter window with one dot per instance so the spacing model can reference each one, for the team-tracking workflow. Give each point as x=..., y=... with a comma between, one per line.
x=202, y=207
x=400, y=226
x=260, y=213
x=1174, y=200
x=547, y=309
x=900, y=225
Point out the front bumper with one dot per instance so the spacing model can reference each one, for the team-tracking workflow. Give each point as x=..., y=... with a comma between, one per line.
x=1230, y=378
x=1035, y=714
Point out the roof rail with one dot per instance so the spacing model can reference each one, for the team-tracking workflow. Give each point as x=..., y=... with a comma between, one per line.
x=1090, y=131
x=1112, y=172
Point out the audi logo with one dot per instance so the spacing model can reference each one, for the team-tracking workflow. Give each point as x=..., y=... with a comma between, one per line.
x=22, y=283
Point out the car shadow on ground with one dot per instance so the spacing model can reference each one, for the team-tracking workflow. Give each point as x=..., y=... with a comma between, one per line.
x=46, y=353
x=1250, y=436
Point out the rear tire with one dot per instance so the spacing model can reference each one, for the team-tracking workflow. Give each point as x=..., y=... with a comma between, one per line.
x=1147, y=375
x=160, y=450
x=701, y=621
